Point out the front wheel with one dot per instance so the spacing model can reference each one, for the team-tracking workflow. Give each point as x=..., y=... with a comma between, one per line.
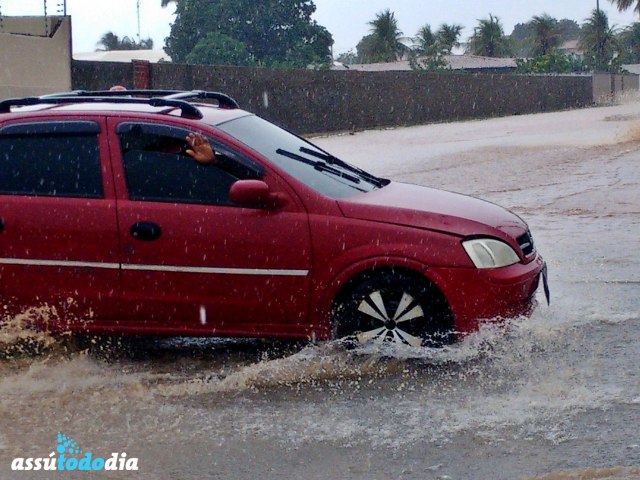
x=393, y=307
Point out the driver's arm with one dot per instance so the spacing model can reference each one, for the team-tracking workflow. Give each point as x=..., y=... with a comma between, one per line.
x=200, y=149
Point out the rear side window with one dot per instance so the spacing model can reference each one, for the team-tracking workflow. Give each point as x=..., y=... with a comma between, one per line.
x=51, y=159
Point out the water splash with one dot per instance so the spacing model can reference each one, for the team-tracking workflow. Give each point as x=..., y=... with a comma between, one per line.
x=19, y=335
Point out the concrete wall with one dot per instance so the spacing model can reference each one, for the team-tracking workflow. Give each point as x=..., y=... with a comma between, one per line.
x=322, y=101
x=607, y=87
x=35, y=56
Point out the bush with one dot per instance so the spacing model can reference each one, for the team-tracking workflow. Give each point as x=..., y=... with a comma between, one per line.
x=555, y=62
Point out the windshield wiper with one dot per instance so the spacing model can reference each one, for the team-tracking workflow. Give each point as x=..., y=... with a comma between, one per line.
x=331, y=160
x=318, y=165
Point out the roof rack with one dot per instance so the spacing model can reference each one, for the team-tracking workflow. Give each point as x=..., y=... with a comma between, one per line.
x=158, y=98
x=224, y=101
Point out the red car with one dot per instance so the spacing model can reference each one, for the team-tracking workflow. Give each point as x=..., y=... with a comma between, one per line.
x=106, y=220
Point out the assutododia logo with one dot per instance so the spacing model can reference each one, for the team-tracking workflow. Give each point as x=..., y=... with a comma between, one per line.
x=69, y=457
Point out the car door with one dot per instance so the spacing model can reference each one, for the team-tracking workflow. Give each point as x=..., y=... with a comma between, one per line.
x=58, y=229
x=193, y=261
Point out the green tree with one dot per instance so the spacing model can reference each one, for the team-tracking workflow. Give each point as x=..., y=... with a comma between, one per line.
x=108, y=41
x=448, y=37
x=568, y=29
x=555, y=62
x=599, y=42
x=366, y=49
x=626, y=4
x=488, y=39
x=522, y=39
x=430, y=48
x=629, y=40
x=424, y=41
x=220, y=49
x=386, y=45
x=546, y=35
x=274, y=32
x=111, y=41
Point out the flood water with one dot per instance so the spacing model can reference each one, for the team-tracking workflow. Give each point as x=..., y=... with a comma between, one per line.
x=555, y=396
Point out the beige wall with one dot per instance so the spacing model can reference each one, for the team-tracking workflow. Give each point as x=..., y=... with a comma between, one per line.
x=607, y=87
x=32, y=63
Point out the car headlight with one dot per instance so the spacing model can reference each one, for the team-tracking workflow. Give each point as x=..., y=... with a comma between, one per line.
x=489, y=253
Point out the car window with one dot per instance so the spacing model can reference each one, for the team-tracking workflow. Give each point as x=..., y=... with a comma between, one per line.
x=50, y=159
x=157, y=167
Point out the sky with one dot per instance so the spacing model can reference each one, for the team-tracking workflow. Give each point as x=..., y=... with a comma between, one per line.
x=345, y=19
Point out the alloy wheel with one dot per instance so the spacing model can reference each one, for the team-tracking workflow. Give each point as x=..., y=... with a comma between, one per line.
x=393, y=322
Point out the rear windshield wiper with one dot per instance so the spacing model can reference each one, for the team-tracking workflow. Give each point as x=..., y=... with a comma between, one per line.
x=318, y=165
x=331, y=160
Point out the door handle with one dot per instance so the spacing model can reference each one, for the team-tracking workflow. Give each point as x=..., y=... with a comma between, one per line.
x=1, y=224
x=145, y=231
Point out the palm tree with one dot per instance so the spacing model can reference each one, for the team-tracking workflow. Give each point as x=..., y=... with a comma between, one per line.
x=448, y=36
x=386, y=37
x=488, y=39
x=111, y=41
x=629, y=40
x=546, y=34
x=598, y=41
x=425, y=40
x=625, y=4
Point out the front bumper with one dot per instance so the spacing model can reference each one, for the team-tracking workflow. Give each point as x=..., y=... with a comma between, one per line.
x=476, y=295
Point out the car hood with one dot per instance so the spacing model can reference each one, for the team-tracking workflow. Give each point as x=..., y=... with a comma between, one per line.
x=433, y=209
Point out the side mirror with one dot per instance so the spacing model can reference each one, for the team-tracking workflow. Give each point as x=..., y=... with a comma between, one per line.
x=253, y=193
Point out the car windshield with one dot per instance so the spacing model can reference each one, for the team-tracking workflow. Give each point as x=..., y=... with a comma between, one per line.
x=304, y=161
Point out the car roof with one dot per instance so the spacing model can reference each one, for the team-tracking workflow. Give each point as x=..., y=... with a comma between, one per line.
x=62, y=104
x=210, y=114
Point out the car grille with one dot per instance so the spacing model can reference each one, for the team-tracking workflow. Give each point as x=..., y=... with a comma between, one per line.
x=526, y=243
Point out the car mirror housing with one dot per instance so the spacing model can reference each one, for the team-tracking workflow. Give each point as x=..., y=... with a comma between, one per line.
x=251, y=193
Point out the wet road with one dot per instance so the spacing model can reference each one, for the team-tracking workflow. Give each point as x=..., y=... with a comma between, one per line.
x=559, y=392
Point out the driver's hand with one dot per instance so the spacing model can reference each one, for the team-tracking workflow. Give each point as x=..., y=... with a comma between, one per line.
x=200, y=149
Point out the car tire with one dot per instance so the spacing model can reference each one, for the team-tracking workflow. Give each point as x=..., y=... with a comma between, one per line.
x=393, y=307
